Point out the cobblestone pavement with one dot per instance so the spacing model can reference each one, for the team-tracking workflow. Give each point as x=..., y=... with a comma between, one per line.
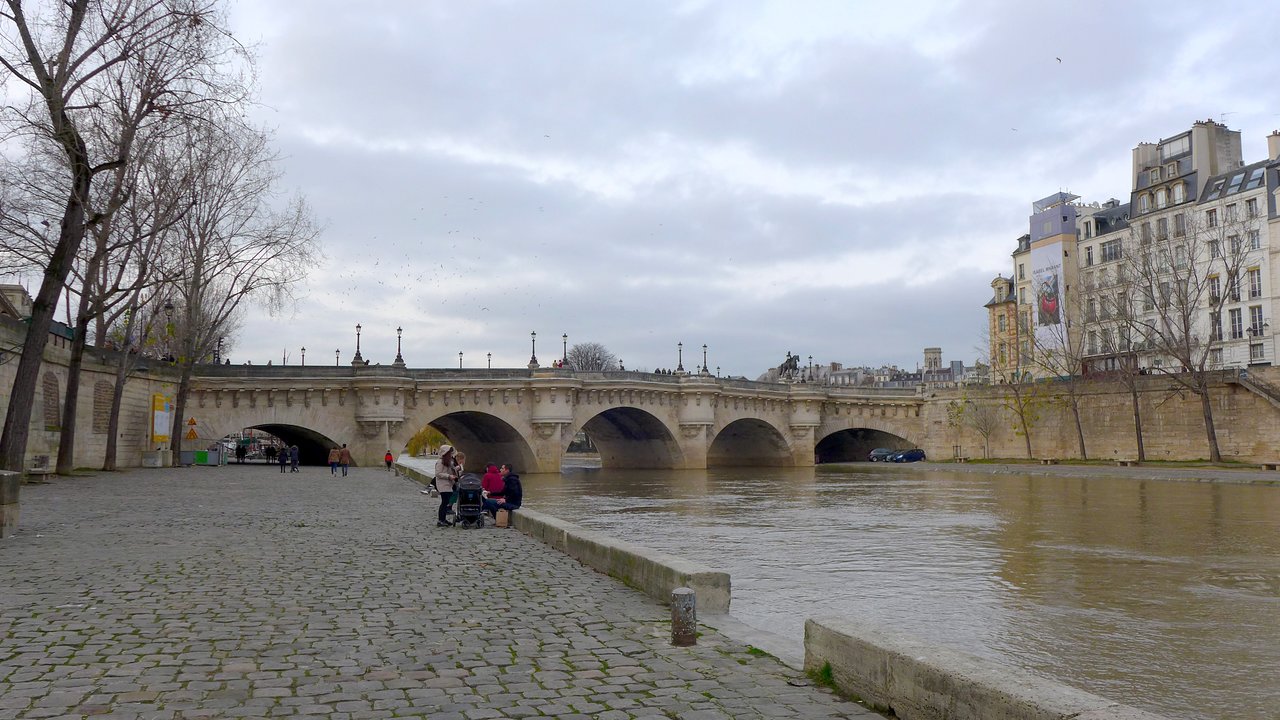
x=242, y=592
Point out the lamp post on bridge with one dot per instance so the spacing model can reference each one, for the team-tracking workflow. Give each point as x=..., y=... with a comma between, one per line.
x=564, y=349
x=459, y=359
x=304, y=357
x=704, y=359
x=679, y=357
x=489, y=359
x=337, y=354
x=217, y=353
x=357, y=359
x=399, y=358
x=533, y=349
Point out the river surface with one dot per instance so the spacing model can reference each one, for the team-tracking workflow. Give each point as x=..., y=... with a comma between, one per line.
x=1159, y=594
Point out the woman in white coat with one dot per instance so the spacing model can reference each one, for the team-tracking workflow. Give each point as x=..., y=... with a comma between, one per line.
x=446, y=473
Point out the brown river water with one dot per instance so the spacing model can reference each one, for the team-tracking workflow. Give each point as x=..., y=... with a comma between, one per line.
x=1159, y=594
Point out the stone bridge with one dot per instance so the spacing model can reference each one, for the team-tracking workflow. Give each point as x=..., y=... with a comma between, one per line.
x=529, y=417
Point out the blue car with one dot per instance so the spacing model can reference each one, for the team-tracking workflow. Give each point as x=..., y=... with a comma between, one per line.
x=913, y=455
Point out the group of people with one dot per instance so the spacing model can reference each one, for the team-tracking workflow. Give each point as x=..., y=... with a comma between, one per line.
x=338, y=457
x=288, y=457
x=500, y=485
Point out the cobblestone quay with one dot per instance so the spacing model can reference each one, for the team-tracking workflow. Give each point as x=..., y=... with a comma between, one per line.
x=243, y=592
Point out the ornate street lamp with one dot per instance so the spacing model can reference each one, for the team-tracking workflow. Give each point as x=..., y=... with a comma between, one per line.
x=704, y=359
x=459, y=359
x=489, y=359
x=336, y=354
x=304, y=357
x=217, y=353
x=533, y=349
x=357, y=359
x=564, y=348
x=399, y=359
x=620, y=365
x=168, y=330
x=679, y=357
x=717, y=371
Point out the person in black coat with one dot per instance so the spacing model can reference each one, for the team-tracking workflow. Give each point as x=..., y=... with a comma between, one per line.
x=512, y=493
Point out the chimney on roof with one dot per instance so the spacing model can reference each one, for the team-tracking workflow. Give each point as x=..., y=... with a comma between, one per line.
x=1273, y=145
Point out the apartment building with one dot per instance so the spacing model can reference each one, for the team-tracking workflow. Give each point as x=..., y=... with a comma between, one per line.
x=1198, y=230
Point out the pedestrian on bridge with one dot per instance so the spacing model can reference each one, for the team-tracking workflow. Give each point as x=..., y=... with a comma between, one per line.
x=334, y=456
x=388, y=459
x=282, y=457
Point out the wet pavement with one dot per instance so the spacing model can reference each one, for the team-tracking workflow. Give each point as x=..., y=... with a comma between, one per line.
x=243, y=592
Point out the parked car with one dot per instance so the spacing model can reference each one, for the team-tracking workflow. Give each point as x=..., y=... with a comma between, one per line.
x=913, y=455
x=881, y=454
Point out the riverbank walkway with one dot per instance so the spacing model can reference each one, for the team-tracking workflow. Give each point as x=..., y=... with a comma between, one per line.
x=243, y=592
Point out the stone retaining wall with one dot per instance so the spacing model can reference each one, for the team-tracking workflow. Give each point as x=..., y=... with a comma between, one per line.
x=922, y=681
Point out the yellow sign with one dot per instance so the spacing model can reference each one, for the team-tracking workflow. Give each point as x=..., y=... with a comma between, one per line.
x=191, y=421
x=161, y=418
x=191, y=434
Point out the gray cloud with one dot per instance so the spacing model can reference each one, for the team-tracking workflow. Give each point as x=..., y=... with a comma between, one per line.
x=762, y=177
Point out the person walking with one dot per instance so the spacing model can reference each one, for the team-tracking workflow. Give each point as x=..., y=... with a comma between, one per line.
x=344, y=459
x=446, y=472
x=293, y=458
x=388, y=459
x=334, y=456
x=282, y=457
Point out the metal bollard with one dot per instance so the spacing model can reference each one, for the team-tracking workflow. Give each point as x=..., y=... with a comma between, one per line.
x=684, y=617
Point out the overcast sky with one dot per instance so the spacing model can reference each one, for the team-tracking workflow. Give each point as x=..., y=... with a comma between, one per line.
x=835, y=179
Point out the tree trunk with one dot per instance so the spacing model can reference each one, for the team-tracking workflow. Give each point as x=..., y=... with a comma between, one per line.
x=113, y=423
x=179, y=411
x=1207, y=408
x=1137, y=422
x=67, y=434
x=1075, y=412
x=17, y=420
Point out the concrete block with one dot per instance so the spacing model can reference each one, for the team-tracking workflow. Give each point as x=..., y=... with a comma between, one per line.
x=10, y=484
x=921, y=681
x=652, y=572
x=8, y=519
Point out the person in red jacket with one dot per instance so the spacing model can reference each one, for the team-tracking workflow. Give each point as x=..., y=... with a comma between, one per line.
x=388, y=459
x=491, y=483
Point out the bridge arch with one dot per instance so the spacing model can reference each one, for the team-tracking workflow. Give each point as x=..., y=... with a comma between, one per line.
x=313, y=446
x=749, y=442
x=629, y=437
x=485, y=438
x=853, y=444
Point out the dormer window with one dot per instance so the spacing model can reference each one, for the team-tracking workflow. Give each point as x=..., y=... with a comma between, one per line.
x=1153, y=177
x=1171, y=170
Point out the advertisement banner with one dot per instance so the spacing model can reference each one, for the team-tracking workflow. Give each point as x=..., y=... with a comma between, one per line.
x=1047, y=287
x=161, y=418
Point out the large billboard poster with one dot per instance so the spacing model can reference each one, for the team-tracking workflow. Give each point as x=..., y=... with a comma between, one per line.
x=161, y=418
x=1047, y=290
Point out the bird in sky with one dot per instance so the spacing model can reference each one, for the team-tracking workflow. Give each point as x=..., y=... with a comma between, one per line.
x=1058, y=59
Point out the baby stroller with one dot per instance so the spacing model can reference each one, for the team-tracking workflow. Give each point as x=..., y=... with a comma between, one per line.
x=470, y=502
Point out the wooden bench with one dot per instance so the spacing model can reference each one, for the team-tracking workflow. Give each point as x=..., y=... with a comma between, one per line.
x=40, y=471
x=1126, y=463
x=962, y=459
x=1271, y=466
x=1048, y=461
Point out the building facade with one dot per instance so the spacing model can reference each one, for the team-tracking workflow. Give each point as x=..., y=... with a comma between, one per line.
x=1094, y=282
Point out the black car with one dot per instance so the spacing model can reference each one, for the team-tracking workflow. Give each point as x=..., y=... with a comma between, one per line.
x=913, y=455
x=881, y=454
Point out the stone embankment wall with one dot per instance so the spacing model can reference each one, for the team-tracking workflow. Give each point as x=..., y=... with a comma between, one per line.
x=1248, y=424
x=96, y=383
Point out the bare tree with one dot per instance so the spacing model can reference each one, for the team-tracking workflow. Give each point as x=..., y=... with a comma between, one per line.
x=76, y=60
x=238, y=241
x=1059, y=349
x=1181, y=283
x=591, y=357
